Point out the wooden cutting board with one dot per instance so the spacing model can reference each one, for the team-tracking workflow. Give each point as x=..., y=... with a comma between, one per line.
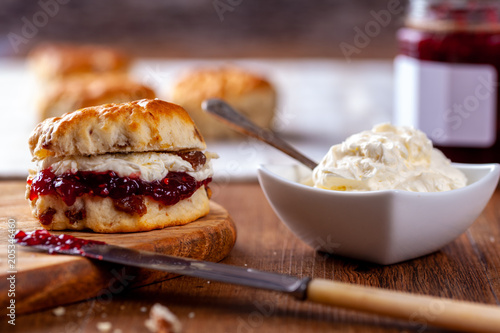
x=43, y=280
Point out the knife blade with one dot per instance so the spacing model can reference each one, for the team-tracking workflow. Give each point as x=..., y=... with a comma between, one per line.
x=417, y=309
x=202, y=269
x=67, y=244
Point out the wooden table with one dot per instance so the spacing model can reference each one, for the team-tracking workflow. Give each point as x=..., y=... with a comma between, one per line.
x=466, y=269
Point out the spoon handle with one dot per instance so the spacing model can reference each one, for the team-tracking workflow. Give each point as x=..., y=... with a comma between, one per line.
x=239, y=122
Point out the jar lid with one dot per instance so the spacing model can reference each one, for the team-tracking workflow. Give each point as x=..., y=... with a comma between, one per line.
x=454, y=15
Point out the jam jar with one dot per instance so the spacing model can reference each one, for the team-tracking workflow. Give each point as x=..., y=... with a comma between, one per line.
x=446, y=76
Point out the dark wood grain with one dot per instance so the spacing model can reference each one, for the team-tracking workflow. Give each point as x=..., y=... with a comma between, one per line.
x=467, y=269
x=195, y=28
x=44, y=280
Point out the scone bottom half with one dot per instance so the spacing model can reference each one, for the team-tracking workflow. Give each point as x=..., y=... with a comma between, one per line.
x=125, y=191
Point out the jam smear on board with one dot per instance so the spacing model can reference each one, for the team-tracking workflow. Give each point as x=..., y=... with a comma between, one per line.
x=54, y=243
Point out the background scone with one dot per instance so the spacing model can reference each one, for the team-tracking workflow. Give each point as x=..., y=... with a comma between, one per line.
x=119, y=168
x=57, y=61
x=251, y=95
x=89, y=90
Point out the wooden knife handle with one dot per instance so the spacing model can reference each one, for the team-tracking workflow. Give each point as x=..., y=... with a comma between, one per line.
x=421, y=311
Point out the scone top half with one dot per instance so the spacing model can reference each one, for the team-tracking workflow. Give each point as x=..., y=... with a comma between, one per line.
x=144, y=125
x=118, y=168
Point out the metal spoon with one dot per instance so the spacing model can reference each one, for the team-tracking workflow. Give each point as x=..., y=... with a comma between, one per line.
x=239, y=122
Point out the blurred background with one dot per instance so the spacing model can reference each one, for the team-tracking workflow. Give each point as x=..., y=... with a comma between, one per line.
x=201, y=28
x=330, y=62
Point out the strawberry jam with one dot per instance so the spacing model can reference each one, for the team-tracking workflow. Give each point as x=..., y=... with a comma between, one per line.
x=54, y=243
x=174, y=187
x=451, y=56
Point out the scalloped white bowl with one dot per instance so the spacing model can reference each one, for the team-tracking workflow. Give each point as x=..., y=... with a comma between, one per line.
x=383, y=227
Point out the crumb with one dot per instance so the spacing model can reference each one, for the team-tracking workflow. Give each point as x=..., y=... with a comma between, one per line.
x=208, y=282
x=191, y=315
x=104, y=315
x=104, y=326
x=117, y=330
x=161, y=320
x=79, y=314
x=144, y=309
x=122, y=307
x=492, y=239
x=246, y=265
x=59, y=311
x=275, y=253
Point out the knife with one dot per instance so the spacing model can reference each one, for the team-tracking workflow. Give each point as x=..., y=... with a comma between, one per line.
x=417, y=309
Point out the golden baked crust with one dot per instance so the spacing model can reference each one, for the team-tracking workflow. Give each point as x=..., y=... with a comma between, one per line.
x=101, y=215
x=224, y=82
x=139, y=126
x=252, y=95
x=53, y=60
x=88, y=90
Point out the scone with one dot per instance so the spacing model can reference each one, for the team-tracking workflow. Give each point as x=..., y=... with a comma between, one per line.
x=83, y=91
x=251, y=95
x=55, y=61
x=126, y=167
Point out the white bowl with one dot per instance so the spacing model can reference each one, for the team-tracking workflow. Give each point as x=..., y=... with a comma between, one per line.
x=383, y=227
